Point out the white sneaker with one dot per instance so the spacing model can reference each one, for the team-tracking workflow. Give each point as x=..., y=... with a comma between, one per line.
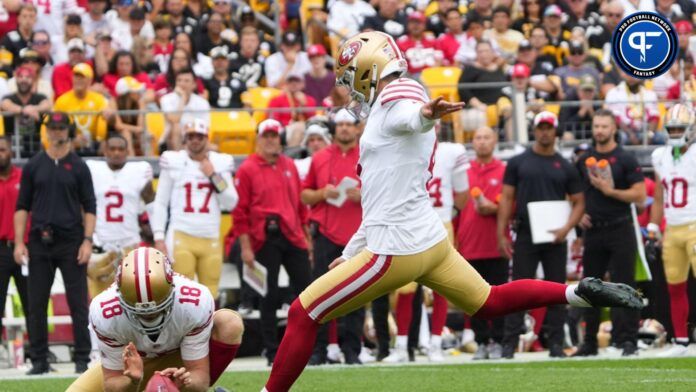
x=396, y=356
x=333, y=353
x=365, y=356
x=677, y=350
x=435, y=353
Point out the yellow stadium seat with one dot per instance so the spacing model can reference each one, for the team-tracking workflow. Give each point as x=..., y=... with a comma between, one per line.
x=553, y=108
x=442, y=81
x=492, y=116
x=305, y=11
x=233, y=132
x=154, y=122
x=662, y=110
x=2, y=127
x=258, y=98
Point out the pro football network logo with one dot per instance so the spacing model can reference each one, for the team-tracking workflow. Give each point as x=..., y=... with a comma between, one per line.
x=645, y=45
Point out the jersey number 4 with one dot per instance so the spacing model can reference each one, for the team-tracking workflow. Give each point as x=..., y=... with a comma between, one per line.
x=677, y=193
x=189, y=190
x=434, y=186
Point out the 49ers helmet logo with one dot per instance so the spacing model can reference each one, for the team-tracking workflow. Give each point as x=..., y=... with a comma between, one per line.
x=349, y=52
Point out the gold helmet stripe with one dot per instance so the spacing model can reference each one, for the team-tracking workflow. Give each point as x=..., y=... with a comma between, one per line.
x=142, y=277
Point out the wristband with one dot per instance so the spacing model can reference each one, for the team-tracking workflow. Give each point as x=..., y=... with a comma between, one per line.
x=219, y=183
x=88, y=238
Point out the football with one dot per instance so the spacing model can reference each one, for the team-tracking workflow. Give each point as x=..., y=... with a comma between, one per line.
x=160, y=383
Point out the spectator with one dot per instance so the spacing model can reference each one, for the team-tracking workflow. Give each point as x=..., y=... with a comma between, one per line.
x=476, y=234
x=50, y=15
x=346, y=16
x=180, y=60
x=538, y=174
x=466, y=54
x=90, y=129
x=333, y=225
x=289, y=60
x=609, y=239
x=531, y=16
x=202, y=65
x=599, y=36
x=581, y=15
x=684, y=29
x=182, y=19
x=482, y=9
x=577, y=120
x=568, y=76
x=663, y=83
x=540, y=68
x=635, y=6
x=437, y=19
x=180, y=107
x=197, y=8
x=162, y=45
x=56, y=187
x=555, y=33
x=319, y=81
x=130, y=126
x=316, y=138
x=674, y=10
x=30, y=58
x=292, y=98
x=104, y=54
x=248, y=65
x=224, y=89
x=62, y=79
x=540, y=42
x=9, y=16
x=59, y=48
x=193, y=233
x=9, y=190
x=41, y=44
x=127, y=23
x=124, y=64
x=484, y=69
x=224, y=8
x=521, y=82
x=508, y=40
x=142, y=49
x=19, y=39
x=270, y=221
x=635, y=108
x=689, y=90
x=420, y=50
x=211, y=36
x=27, y=108
x=450, y=41
x=94, y=20
x=389, y=19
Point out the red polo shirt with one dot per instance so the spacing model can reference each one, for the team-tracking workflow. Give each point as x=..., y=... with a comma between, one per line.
x=283, y=102
x=266, y=189
x=330, y=166
x=477, y=234
x=9, y=190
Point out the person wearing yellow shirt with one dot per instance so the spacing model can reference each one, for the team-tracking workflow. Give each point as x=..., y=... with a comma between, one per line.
x=90, y=129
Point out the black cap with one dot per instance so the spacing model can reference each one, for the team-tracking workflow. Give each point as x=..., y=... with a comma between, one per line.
x=73, y=19
x=137, y=13
x=525, y=45
x=576, y=47
x=57, y=120
x=290, y=38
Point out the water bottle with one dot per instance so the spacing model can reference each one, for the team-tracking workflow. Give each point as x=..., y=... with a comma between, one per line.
x=604, y=171
x=18, y=350
x=591, y=164
x=477, y=194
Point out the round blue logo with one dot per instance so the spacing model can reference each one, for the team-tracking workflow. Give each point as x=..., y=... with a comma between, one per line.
x=645, y=45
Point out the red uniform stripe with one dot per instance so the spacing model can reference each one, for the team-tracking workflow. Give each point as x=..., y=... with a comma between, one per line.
x=398, y=97
x=403, y=89
x=147, y=276
x=343, y=284
x=136, y=281
x=200, y=328
x=362, y=288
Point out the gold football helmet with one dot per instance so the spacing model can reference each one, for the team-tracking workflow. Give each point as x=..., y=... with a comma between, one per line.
x=679, y=124
x=362, y=61
x=145, y=281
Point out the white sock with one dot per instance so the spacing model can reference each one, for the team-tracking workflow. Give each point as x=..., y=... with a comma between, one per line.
x=436, y=341
x=333, y=349
x=574, y=299
x=401, y=342
x=682, y=341
x=264, y=389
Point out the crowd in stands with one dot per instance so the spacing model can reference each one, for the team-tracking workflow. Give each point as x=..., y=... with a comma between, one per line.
x=103, y=57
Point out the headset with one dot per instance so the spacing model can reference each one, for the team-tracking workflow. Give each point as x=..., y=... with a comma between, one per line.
x=72, y=129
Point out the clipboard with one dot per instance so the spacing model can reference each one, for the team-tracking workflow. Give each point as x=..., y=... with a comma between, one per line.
x=548, y=215
x=345, y=184
x=256, y=278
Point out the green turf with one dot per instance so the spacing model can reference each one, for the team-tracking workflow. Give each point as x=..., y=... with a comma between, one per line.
x=610, y=376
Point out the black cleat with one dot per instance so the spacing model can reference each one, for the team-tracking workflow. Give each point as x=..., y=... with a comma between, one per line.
x=40, y=368
x=629, y=349
x=556, y=351
x=80, y=367
x=317, y=359
x=616, y=295
x=586, y=350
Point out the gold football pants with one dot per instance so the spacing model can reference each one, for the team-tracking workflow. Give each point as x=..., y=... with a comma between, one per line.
x=198, y=257
x=679, y=252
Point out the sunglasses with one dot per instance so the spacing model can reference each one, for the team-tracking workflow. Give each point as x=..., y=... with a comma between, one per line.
x=576, y=52
x=40, y=43
x=195, y=136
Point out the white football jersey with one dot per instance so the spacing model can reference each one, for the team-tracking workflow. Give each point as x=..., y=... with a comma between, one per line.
x=190, y=197
x=302, y=166
x=188, y=328
x=397, y=152
x=118, y=202
x=51, y=14
x=678, y=184
x=449, y=176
